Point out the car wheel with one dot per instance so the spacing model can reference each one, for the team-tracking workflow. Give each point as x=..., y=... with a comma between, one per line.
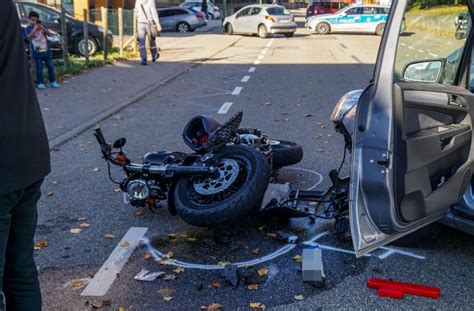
x=380, y=29
x=262, y=31
x=289, y=35
x=323, y=28
x=229, y=29
x=183, y=27
x=81, y=44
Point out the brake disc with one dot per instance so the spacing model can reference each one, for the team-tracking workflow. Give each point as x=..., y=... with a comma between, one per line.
x=228, y=171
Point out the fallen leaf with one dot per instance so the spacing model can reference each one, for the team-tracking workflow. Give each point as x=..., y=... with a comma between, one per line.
x=118, y=190
x=82, y=219
x=257, y=306
x=212, y=307
x=109, y=236
x=256, y=251
x=262, y=271
x=118, y=117
x=140, y=213
x=252, y=287
x=298, y=258
x=84, y=225
x=322, y=126
x=223, y=263
x=41, y=244
x=320, y=150
x=299, y=297
x=319, y=135
x=96, y=169
x=170, y=277
x=165, y=262
x=172, y=236
x=121, y=308
x=272, y=235
x=75, y=230
x=49, y=194
x=125, y=244
x=169, y=254
x=147, y=256
x=101, y=304
x=215, y=284
x=178, y=270
x=168, y=298
x=76, y=282
x=191, y=239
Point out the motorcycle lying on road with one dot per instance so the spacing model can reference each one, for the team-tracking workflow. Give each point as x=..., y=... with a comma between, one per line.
x=221, y=181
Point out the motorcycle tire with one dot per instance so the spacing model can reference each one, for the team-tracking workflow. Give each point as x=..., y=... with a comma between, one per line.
x=207, y=201
x=285, y=153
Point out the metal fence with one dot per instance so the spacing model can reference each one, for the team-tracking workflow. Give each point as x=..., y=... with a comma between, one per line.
x=112, y=20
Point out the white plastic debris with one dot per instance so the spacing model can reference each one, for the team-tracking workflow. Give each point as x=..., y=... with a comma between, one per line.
x=147, y=276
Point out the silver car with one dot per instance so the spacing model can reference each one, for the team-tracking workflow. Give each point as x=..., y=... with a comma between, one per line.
x=263, y=20
x=181, y=19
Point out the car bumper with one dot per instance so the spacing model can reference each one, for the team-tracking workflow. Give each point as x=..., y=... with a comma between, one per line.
x=283, y=28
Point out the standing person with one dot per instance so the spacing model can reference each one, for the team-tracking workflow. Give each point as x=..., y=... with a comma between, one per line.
x=23, y=165
x=36, y=33
x=204, y=7
x=147, y=18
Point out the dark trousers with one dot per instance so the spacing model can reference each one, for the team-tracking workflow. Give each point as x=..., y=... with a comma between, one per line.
x=48, y=61
x=18, y=274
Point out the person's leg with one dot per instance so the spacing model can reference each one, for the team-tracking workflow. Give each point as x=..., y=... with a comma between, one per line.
x=20, y=281
x=49, y=64
x=7, y=202
x=39, y=70
x=142, y=28
x=153, y=49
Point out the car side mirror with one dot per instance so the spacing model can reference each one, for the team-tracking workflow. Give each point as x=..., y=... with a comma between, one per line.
x=424, y=71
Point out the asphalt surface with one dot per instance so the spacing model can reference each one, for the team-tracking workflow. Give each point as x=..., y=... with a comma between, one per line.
x=290, y=95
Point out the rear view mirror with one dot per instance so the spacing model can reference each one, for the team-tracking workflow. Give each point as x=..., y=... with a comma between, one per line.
x=118, y=144
x=423, y=71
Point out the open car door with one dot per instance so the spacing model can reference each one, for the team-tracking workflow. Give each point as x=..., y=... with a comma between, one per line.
x=412, y=155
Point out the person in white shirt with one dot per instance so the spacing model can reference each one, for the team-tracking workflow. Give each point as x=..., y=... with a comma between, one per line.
x=147, y=15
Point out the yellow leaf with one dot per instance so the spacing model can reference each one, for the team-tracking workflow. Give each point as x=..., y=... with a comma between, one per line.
x=125, y=244
x=166, y=292
x=147, y=256
x=165, y=262
x=49, y=194
x=140, y=213
x=75, y=230
x=109, y=236
x=172, y=236
x=262, y=271
x=121, y=308
x=272, y=235
x=170, y=277
x=41, y=244
x=178, y=270
x=257, y=306
x=298, y=258
x=223, y=263
x=169, y=254
x=84, y=225
x=212, y=307
x=76, y=282
x=299, y=297
x=252, y=287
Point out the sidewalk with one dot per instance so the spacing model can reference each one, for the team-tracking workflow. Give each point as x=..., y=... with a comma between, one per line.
x=84, y=100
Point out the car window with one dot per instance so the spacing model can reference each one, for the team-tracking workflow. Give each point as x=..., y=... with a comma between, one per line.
x=277, y=10
x=430, y=46
x=255, y=11
x=45, y=14
x=244, y=12
x=382, y=10
x=368, y=10
x=164, y=13
x=180, y=12
x=354, y=11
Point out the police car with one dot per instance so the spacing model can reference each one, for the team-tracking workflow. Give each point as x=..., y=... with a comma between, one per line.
x=353, y=18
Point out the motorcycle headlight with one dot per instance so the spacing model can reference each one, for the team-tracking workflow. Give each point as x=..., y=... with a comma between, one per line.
x=138, y=189
x=345, y=104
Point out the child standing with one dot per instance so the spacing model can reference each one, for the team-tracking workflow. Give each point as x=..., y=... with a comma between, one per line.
x=36, y=33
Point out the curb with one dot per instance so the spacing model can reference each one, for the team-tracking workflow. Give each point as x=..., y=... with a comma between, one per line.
x=65, y=137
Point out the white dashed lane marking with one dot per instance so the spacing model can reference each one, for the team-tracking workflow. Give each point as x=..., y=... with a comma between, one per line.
x=252, y=69
x=245, y=79
x=257, y=62
x=260, y=57
x=225, y=108
x=434, y=55
x=237, y=90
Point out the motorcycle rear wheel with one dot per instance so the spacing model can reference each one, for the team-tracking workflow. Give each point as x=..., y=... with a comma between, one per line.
x=207, y=201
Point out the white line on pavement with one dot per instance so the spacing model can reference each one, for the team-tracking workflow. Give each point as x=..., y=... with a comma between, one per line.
x=256, y=62
x=434, y=55
x=402, y=44
x=411, y=48
x=252, y=69
x=260, y=56
x=264, y=51
x=269, y=44
x=225, y=108
x=237, y=90
x=107, y=274
x=421, y=51
x=245, y=79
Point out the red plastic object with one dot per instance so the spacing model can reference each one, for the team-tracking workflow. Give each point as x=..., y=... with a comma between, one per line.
x=397, y=290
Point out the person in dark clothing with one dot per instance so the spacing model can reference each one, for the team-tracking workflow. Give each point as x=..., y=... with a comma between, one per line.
x=36, y=33
x=204, y=7
x=23, y=165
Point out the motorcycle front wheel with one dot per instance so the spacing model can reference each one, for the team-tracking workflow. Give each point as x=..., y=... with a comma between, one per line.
x=285, y=153
x=244, y=174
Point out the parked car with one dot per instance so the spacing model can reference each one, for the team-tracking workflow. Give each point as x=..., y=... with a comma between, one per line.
x=263, y=20
x=318, y=7
x=213, y=11
x=54, y=41
x=353, y=18
x=181, y=19
x=412, y=133
x=75, y=29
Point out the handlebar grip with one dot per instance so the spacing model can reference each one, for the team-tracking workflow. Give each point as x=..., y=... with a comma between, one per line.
x=100, y=136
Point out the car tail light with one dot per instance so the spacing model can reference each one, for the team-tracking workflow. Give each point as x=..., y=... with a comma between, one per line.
x=200, y=15
x=270, y=18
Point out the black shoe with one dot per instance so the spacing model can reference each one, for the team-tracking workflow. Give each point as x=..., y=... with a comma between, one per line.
x=155, y=57
x=143, y=63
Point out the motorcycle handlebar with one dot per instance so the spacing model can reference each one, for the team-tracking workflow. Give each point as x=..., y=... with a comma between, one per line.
x=167, y=169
